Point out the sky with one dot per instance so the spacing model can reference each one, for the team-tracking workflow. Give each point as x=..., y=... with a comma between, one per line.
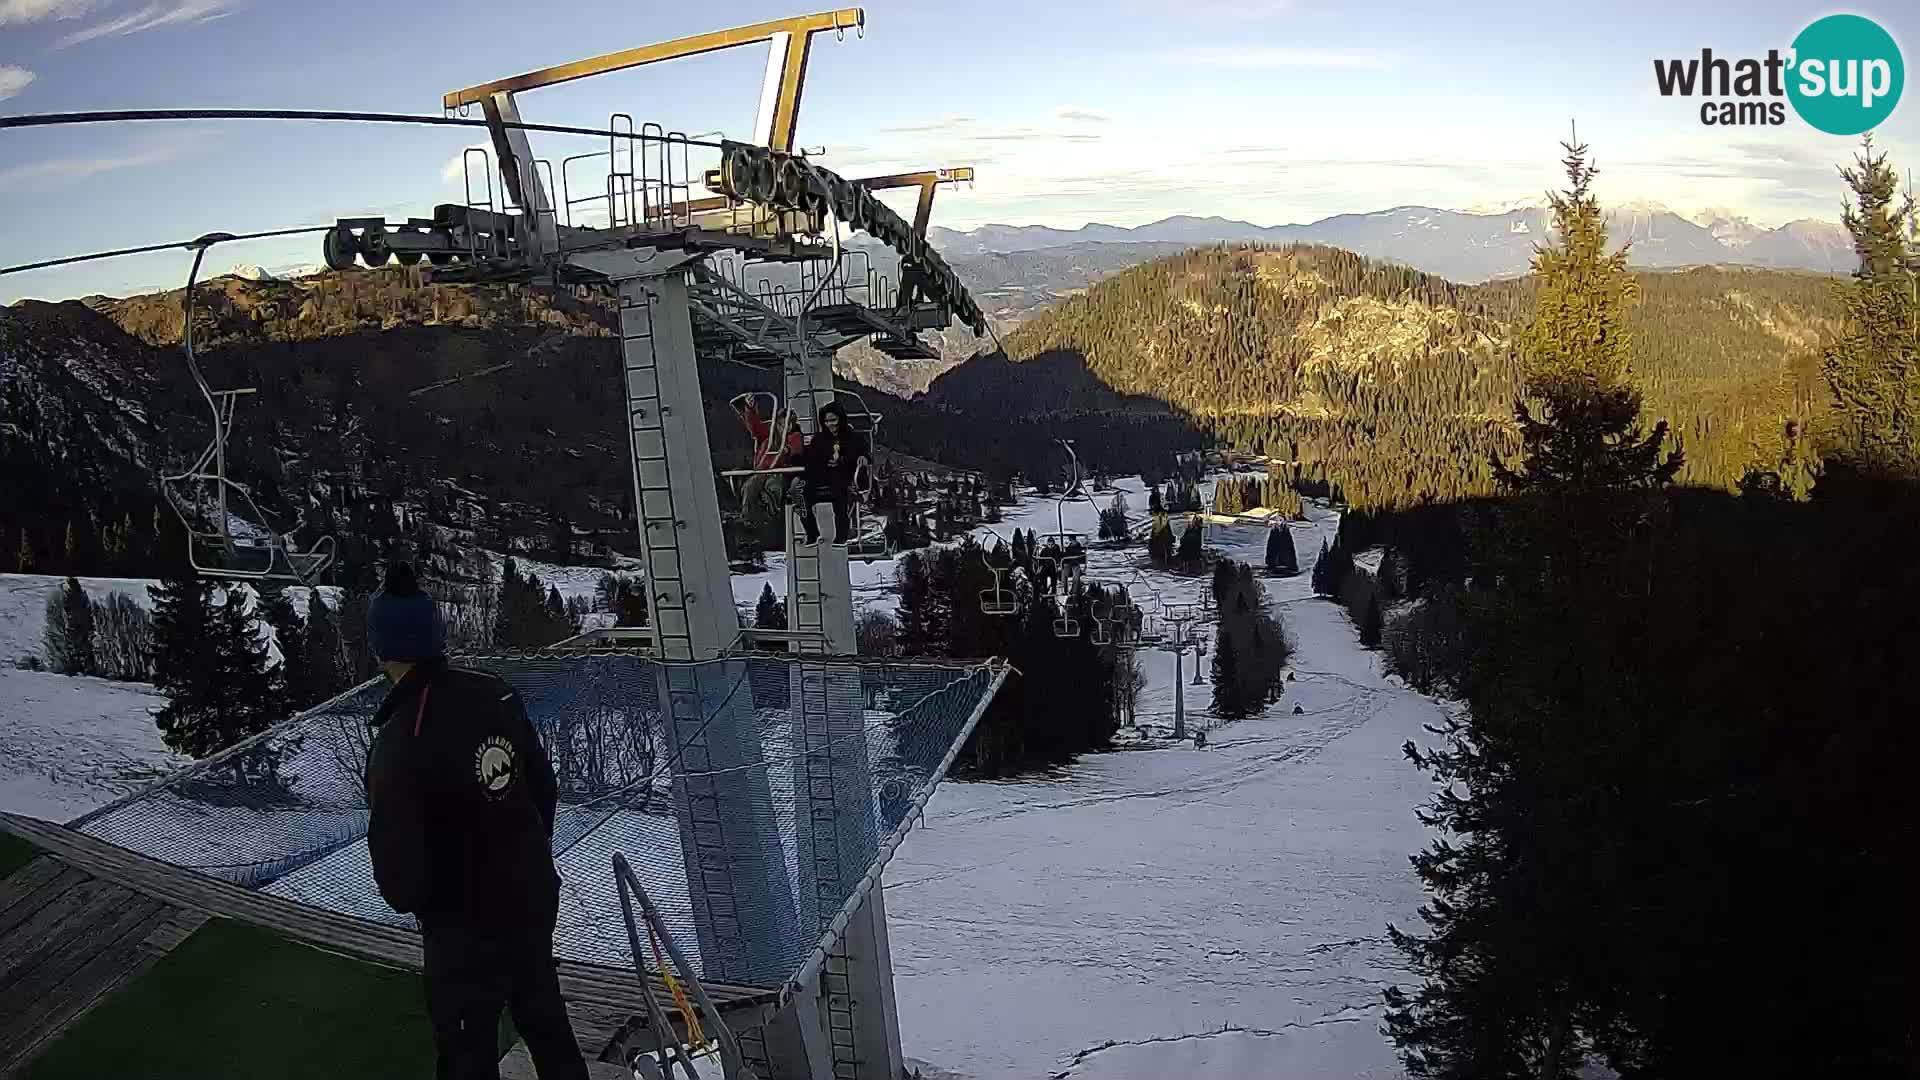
x=1116, y=111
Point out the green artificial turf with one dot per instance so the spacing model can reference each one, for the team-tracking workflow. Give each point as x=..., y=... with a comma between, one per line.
x=14, y=853
x=234, y=1001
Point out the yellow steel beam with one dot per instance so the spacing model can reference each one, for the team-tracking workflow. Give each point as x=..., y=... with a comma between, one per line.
x=802, y=28
x=926, y=181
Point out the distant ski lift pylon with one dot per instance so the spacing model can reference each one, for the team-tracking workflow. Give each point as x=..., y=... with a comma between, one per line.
x=225, y=540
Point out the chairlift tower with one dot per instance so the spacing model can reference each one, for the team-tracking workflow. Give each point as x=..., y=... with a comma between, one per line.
x=693, y=256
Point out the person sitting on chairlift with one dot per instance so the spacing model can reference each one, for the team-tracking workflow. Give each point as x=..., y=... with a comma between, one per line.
x=832, y=458
x=766, y=492
x=1076, y=563
x=1049, y=560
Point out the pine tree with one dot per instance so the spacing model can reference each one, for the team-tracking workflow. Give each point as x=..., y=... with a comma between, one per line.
x=771, y=612
x=1155, y=505
x=23, y=561
x=53, y=636
x=1330, y=568
x=290, y=637
x=325, y=656
x=211, y=663
x=1190, y=552
x=1281, y=559
x=1577, y=356
x=1227, y=702
x=1372, y=624
x=1873, y=369
x=1160, y=541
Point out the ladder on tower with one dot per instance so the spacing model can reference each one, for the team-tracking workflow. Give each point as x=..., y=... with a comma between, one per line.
x=819, y=747
x=652, y=476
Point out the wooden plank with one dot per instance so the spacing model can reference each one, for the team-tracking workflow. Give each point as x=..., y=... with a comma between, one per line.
x=108, y=969
x=48, y=891
x=177, y=928
x=22, y=1000
x=55, y=925
x=19, y=884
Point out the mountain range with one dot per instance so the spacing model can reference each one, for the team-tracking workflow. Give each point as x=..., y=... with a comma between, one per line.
x=1463, y=245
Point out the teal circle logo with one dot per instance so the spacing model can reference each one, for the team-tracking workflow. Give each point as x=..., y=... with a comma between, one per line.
x=1845, y=75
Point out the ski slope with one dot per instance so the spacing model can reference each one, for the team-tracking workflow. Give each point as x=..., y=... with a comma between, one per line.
x=69, y=744
x=1214, y=913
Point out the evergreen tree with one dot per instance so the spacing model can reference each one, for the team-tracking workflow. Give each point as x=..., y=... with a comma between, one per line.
x=325, y=657
x=211, y=663
x=23, y=560
x=510, y=606
x=1577, y=357
x=1372, y=624
x=1281, y=559
x=1190, y=552
x=1155, y=504
x=771, y=612
x=1226, y=675
x=1873, y=369
x=1330, y=570
x=68, y=636
x=290, y=636
x=1160, y=541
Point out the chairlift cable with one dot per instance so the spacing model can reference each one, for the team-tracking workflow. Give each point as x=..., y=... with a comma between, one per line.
x=116, y=116
x=182, y=245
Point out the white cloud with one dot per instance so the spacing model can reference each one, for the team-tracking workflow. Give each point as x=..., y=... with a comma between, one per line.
x=1284, y=58
x=47, y=173
x=26, y=11
x=456, y=166
x=151, y=17
x=1081, y=114
x=13, y=80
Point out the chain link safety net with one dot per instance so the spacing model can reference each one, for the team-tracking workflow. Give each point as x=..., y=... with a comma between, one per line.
x=754, y=806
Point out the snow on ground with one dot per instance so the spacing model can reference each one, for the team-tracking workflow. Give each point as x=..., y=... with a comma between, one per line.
x=70, y=744
x=1108, y=923
x=23, y=607
x=1199, y=913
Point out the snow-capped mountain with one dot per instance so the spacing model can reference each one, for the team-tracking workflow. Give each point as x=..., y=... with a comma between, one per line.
x=1489, y=241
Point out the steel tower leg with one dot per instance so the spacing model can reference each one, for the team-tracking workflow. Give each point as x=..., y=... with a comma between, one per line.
x=850, y=1014
x=730, y=841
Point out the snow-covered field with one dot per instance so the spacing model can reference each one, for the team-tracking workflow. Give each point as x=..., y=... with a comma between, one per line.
x=70, y=744
x=1206, y=913
x=1111, y=923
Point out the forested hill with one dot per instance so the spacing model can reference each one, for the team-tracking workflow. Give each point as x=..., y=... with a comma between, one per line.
x=1399, y=385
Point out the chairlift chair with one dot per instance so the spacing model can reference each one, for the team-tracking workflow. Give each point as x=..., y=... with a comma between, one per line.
x=228, y=535
x=1066, y=626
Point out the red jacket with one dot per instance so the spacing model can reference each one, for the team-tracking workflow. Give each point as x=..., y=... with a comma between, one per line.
x=766, y=455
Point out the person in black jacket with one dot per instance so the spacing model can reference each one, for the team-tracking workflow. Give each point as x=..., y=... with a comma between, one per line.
x=462, y=800
x=834, y=454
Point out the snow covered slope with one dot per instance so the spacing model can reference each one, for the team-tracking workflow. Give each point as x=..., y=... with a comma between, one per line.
x=1109, y=923
x=70, y=744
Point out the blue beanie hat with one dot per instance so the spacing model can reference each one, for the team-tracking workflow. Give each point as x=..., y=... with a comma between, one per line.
x=403, y=622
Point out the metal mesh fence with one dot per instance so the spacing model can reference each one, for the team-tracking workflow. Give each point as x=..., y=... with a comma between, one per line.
x=755, y=797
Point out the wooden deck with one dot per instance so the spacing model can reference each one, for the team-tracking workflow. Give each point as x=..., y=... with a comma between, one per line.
x=69, y=939
x=603, y=1002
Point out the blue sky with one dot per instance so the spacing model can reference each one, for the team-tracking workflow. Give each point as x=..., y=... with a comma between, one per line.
x=1121, y=111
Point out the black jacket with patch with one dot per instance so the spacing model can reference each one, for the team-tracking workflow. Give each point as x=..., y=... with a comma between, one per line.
x=462, y=800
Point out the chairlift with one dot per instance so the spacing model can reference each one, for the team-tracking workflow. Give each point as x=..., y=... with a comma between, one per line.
x=228, y=535
x=1066, y=626
x=774, y=437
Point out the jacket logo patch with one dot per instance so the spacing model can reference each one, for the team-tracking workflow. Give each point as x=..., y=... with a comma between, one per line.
x=493, y=766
